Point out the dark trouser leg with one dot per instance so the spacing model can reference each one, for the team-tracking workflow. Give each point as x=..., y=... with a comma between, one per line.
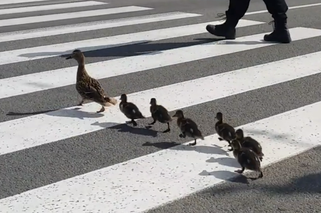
x=236, y=10
x=278, y=9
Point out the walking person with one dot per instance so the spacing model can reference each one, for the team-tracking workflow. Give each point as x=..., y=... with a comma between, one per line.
x=238, y=8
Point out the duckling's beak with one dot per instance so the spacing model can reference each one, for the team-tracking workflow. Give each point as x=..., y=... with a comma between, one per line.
x=174, y=115
x=69, y=57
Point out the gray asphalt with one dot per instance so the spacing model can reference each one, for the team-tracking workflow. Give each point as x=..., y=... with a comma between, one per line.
x=291, y=186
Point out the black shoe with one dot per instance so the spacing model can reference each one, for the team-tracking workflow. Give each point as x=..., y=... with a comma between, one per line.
x=280, y=34
x=222, y=31
x=227, y=29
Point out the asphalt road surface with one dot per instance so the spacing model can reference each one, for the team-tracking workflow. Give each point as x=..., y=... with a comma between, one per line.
x=56, y=156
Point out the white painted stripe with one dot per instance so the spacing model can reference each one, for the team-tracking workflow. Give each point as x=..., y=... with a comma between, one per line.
x=149, y=181
x=46, y=128
x=52, y=79
x=89, y=26
x=41, y=52
x=50, y=7
x=3, y=2
x=290, y=8
x=70, y=15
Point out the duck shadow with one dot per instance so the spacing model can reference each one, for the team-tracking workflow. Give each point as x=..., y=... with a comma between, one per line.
x=226, y=161
x=75, y=113
x=227, y=176
x=29, y=113
x=135, y=130
x=66, y=53
x=215, y=150
x=162, y=145
x=135, y=48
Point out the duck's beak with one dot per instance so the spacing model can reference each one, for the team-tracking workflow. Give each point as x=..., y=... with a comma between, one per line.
x=69, y=57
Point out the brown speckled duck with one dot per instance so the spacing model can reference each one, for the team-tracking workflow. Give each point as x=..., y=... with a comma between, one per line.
x=249, y=142
x=224, y=130
x=88, y=87
x=160, y=114
x=188, y=127
x=246, y=158
x=129, y=109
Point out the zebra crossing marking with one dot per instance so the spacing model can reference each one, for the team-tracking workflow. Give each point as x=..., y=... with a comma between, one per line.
x=89, y=26
x=9, y=2
x=164, y=176
x=69, y=122
x=70, y=15
x=41, y=52
x=51, y=79
x=155, y=179
x=50, y=7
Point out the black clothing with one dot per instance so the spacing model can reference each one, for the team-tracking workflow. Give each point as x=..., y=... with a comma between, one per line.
x=238, y=8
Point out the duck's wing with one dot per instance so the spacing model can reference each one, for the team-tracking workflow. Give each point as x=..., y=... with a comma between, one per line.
x=86, y=90
x=253, y=144
x=249, y=159
x=95, y=87
x=162, y=114
x=132, y=109
x=228, y=132
x=189, y=126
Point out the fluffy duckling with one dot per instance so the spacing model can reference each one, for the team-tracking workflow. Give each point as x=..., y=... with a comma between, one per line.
x=246, y=158
x=224, y=130
x=88, y=87
x=249, y=142
x=129, y=109
x=159, y=113
x=188, y=127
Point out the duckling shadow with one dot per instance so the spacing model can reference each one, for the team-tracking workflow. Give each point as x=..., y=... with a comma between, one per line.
x=75, y=113
x=161, y=145
x=29, y=113
x=228, y=161
x=135, y=130
x=226, y=176
x=215, y=150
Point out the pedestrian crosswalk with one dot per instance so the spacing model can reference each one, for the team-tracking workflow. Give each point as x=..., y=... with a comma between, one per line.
x=56, y=156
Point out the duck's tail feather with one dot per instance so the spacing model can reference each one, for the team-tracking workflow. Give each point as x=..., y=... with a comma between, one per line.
x=141, y=115
x=200, y=135
x=110, y=100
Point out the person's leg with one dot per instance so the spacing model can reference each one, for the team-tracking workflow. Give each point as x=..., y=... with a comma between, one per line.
x=278, y=9
x=236, y=10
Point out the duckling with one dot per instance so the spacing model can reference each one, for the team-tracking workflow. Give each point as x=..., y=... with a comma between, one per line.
x=159, y=113
x=188, y=127
x=224, y=130
x=88, y=87
x=250, y=143
x=129, y=109
x=246, y=158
